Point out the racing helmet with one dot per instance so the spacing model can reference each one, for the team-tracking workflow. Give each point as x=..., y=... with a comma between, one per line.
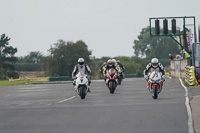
x=114, y=61
x=154, y=62
x=109, y=63
x=81, y=61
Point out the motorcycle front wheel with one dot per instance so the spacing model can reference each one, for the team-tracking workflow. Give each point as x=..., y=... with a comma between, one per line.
x=82, y=93
x=155, y=92
x=112, y=87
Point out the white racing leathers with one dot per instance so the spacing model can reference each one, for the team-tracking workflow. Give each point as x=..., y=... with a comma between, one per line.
x=81, y=68
x=158, y=68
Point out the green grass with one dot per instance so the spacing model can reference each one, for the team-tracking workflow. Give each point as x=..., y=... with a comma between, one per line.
x=23, y=81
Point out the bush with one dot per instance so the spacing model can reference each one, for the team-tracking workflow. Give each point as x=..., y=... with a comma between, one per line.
x=28, y=67
x=164, y=62
x=139, y=73
x=13, y=74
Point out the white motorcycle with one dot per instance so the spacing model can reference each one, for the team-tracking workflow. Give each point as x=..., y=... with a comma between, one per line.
x=155, y=83
x=81, y=84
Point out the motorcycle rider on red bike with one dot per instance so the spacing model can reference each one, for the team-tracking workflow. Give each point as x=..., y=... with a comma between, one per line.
x=111, y=63
x=102, y=70
x=121, y=66
x=102, y=66
x=154, y=66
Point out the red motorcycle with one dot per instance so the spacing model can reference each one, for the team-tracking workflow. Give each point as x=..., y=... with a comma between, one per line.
x=111, y=80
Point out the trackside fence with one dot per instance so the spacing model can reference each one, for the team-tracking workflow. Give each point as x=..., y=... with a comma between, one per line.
x=178, y=67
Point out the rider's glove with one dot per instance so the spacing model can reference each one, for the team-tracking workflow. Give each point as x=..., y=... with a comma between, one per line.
x=146, y=77
x=74, y=77
x=163, y=77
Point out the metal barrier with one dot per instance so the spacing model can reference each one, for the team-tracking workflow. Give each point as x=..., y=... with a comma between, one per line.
x=59, y=78
x=190, y=76
x=197, y=73
x=130, y=75
x=196, y=54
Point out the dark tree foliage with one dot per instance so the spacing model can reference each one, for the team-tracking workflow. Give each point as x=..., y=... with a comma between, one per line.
x=7, y=58
x=133, y=65
x=64, y=56
x=30, y=67
x=30, y=62
x=151, y=47
x=32, y=57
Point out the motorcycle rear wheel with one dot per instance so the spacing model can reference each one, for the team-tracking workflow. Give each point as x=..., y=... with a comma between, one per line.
x=119, y=80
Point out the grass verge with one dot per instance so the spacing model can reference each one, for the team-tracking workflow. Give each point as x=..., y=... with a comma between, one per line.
x=23, y=81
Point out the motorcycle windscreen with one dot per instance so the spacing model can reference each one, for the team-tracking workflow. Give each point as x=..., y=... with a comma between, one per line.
x=112, y=72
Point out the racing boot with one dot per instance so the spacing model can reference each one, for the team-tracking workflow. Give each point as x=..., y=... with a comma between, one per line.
x=74, y=84
x=89, y=89
x=89, y=86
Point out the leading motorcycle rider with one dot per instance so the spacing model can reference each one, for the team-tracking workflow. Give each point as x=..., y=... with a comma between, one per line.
x=81, y=67
x=154, y=66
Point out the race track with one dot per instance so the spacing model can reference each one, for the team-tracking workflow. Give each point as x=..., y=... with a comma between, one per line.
x=56, y=108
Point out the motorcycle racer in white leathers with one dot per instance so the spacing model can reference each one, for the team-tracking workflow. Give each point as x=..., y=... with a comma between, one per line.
x=81, y=67
x=154, y=66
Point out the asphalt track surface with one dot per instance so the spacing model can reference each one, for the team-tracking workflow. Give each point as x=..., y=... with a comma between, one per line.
x=56, y=108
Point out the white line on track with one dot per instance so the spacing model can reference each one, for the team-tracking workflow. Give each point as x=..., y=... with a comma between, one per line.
x=66, y=99
x=33, y=90
x=190, y=121
x=101, y=80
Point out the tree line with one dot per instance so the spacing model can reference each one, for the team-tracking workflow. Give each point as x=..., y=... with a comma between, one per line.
x=63, y=55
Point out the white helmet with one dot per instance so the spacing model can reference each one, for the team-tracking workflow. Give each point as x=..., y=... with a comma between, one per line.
x=114, y=61
x=154, y=62
x=109, y=62
x=80, y=61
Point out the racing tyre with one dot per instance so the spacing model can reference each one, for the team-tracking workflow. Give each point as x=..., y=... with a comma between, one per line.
x=119, y=80
x=112, y=87
x=155, y=92
x=82, y=90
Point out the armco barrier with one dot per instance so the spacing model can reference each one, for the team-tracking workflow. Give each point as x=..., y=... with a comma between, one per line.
x=190, y=75
x=130, y=75
x=59, y=78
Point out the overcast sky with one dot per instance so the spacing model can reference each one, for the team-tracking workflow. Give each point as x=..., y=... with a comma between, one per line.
x=108, y=27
